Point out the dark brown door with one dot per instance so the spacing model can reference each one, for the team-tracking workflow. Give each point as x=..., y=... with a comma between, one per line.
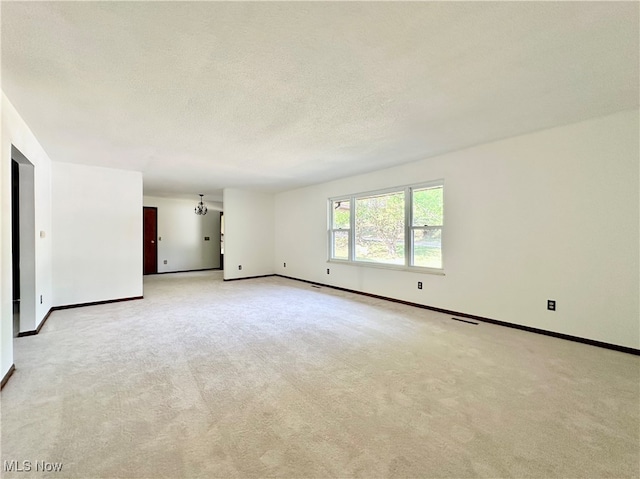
x=150, y=240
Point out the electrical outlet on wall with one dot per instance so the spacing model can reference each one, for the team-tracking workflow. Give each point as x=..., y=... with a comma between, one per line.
x=40, y=299
x=285, y=265
x=165, y=261
x=328, y=272
x=419, y=284
x=551, y=304
x=240, y=267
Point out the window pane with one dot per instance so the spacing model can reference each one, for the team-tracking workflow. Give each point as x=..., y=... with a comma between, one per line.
x=341, y=244
x=380, y=228
x=427, y=247
x=427, y=207
x=341, y=214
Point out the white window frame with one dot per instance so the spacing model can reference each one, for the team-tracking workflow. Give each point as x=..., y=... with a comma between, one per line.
x=332, y=230
x=409, y=228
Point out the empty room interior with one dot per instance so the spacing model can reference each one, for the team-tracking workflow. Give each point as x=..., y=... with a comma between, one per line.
x=320, y=239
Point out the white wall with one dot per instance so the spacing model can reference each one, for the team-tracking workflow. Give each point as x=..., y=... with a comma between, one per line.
x=547, y=215
x=249, y=233
x=16, y=132
x=97, y=245
x=181, y=234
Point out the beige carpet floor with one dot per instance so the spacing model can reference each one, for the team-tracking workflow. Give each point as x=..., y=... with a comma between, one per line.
x=275, y=378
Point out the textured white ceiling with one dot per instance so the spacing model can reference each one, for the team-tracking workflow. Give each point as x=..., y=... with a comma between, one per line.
x=205, y=95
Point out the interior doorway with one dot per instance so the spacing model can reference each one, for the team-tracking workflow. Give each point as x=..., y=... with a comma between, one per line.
x=15, y=243
x=150, y=239
x=23, y=243
x=221, y=240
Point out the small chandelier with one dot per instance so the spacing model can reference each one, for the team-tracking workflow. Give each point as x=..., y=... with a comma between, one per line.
x=201, y=208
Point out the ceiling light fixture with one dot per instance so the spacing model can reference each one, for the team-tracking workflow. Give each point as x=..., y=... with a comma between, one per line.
x=201, y=208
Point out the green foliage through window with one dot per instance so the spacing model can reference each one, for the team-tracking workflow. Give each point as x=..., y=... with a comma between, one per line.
x=380, y=228
x=398, y=227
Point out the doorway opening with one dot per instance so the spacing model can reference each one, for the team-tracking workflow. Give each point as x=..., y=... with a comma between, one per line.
x=150, y=239
x=221, y=240
x=15, y=243
x=23, y=243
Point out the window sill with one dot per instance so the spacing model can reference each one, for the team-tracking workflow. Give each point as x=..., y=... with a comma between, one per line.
x=396, y=267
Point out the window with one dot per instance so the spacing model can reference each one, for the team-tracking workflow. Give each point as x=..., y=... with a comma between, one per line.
x=380, y=228
x=340, y=229
x=426, y=227
x=398, y=227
